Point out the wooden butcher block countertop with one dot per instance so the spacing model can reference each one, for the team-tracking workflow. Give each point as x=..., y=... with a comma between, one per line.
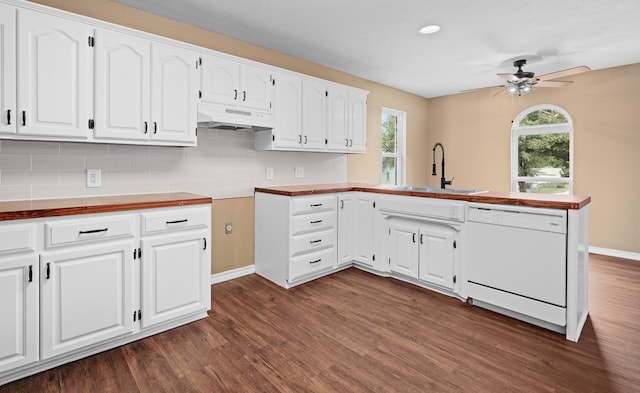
x=496, y=197
x=38, y=208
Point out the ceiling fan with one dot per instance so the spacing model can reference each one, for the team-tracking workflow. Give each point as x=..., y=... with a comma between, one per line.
x=522, y=82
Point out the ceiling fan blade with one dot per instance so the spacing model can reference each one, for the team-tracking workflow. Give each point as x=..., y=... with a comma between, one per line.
x=553, y=83
x=567, y=72
x=480, y=88
x=498, y=93
x=509, y=77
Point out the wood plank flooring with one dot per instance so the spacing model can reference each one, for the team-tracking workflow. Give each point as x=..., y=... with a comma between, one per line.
x=356, y=332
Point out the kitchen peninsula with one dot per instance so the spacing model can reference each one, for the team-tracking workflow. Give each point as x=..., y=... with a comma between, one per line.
x=523, y=255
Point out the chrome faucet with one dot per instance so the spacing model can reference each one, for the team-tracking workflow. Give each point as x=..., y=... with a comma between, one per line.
x=443, y=181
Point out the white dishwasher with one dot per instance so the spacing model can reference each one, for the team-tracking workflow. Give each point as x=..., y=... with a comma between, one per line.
x=516, y=259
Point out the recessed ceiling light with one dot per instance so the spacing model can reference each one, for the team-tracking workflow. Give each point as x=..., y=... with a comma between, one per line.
x=430, y=29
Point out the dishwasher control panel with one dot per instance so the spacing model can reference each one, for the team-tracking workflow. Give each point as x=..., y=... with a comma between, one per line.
x=550, y=220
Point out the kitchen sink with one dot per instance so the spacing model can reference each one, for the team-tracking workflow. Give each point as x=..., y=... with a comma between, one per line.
x=459, y=191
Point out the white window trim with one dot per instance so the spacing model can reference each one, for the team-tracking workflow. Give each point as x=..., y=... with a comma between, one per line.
x=517, y=131
x=401, y=151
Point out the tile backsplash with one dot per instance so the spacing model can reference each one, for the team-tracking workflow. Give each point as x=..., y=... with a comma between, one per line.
x=223, y=165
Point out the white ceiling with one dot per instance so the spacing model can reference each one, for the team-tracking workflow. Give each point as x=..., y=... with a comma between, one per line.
x=379, y=40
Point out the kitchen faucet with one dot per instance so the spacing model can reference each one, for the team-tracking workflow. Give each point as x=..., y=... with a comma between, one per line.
x=443, y=181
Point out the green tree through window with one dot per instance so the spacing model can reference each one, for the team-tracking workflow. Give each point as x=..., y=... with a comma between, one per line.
x=542, y=144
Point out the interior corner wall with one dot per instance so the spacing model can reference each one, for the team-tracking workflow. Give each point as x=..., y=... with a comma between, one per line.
x=475, y=129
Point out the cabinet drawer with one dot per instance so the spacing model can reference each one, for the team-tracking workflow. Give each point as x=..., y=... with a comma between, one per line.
x=170, y=220
x=313, y=221
x=313, y=241
x=313, y=203
x=312, y=262
x=17, y=238
x=65, y=232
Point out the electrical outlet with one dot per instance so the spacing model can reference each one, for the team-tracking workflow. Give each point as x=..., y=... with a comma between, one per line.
x=298, y=172
x=94, y=178
x=268, y=173
x=228, y=228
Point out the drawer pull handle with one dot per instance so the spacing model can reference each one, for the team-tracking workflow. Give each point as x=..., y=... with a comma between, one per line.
x=316, y=222
x=48, y=270
x=93, y=231
x=177, y=221
x=316, y=205
x=30, y=273
x=555, y=224
x=315, y=241
x=316, y=261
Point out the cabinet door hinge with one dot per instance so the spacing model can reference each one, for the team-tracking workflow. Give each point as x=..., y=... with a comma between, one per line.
x=454, y=279
x=91, y=124
x=273, y=137
x=196, y=131
x=326, y=141
x=326, y=93
x=373, y=257
x=92, y=42
x=199, y=93
x=198, y=62
x=389, y=231
x=389, y=261
x=374, y=204
x=455, y=244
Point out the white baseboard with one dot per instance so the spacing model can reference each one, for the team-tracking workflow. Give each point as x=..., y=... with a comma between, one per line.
x=615, y=253
x=231, y=274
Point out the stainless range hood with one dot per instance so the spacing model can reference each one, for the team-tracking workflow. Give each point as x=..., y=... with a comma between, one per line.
x=222, y=117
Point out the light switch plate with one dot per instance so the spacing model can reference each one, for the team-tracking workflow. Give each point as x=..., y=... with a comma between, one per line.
x=94, y=178
x=298, y=172
x=268, y=173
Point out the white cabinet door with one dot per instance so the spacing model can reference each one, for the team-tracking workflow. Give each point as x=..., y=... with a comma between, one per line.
x=403, y=249
x=287, y=112
x=19, y=310
x=174, y=94
x=363, y=228
x=357, y=122
x=122, y=87
x=337, y=119
x=256, y=88
x=219, y=83
x=7, y=70
x=175, y=276
x=85, y=296
x=346, y=227
x=313, y=113
x=436, y=255
x=54, y=76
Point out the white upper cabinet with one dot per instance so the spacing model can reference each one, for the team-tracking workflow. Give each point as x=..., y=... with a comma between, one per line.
x=174, y=90
x=230, y=83
x=122, y=86
x=288, y=112
x=54, y=76
x=357, y=121
x=314, y=109
x=337, y=118
x=347, y=115
x=7, y=69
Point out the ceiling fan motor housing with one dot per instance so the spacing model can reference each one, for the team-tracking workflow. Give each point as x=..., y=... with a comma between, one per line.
x=522, y=74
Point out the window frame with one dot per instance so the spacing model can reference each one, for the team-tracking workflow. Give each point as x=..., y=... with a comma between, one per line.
x=517, y=131
x=400, y=153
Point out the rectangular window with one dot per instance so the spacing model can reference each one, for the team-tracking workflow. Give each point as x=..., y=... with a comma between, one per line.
x=393, y=131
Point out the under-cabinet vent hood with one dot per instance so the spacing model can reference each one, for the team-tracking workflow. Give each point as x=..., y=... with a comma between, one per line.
x=222, y=117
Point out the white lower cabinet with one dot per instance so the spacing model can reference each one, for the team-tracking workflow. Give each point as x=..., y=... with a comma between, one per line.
x=403, y=249
x=19, y=310
x=355, y=228
x=296, y=237
x=175, y=276
x=76, y=285
x=436, y=255
x=85, y=296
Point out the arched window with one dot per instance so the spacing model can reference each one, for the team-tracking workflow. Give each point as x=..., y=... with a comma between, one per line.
x=542, y=151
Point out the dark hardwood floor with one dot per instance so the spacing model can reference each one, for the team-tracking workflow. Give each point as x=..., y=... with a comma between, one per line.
x=356, y=332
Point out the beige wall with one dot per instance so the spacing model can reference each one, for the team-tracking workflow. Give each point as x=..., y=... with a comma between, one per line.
x=474, y=127
x=230, y=251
